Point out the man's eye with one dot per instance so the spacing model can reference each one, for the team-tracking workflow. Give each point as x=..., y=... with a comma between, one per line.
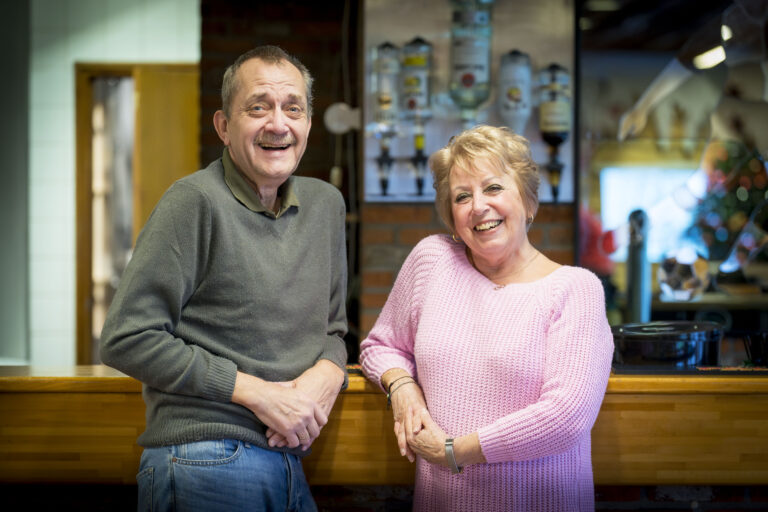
x=295, y=110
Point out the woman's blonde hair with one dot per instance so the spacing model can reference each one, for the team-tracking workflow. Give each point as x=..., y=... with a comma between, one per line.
x=508, y=152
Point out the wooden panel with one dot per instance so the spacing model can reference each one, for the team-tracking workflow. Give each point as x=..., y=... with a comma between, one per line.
x=80, y=424
x=681, y=439
x=166, y=145
x=358, y=447
x=70, y=437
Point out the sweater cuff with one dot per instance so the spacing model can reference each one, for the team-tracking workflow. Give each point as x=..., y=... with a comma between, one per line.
x=220, y=380
x=374, y=366
x=493, y=445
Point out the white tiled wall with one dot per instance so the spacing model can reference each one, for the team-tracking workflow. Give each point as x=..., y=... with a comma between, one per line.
x=62, y=33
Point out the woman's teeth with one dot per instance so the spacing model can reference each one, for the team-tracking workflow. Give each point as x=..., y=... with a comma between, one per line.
x=485, y=226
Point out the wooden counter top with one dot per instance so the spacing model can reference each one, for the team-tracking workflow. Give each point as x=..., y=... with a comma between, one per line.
x=103, y=379
x=80, y=424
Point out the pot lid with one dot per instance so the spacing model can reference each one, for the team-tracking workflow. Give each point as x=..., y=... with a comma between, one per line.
x=669, y=331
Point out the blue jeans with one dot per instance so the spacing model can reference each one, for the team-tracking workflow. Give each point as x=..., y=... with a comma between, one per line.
x=225, y=475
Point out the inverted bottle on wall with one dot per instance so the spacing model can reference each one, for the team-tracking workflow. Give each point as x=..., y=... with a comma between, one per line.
x=554, y=118
x=386, y=76
x=386, y=101
x=414, y=75
x=470, y=74
x=415, y=101
x=515, y=90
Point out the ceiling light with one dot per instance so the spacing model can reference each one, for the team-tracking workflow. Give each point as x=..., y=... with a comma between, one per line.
x=710, y=58
x=725, y=32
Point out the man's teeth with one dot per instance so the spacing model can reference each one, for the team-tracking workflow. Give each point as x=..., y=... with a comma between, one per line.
x=267, y=146
x=485, y=226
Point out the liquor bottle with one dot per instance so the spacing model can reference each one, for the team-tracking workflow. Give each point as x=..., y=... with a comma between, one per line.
x=415, y=94
x=386, y=77
x=554, y=118
x=386, y=74
x=554, y=104
x=470, y=72
x=415, y=81
x=515, y=90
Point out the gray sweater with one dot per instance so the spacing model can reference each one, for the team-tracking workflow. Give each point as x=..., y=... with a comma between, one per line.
x=215, y=286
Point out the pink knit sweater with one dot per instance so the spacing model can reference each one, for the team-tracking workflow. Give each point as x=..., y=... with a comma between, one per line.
x=525, y=366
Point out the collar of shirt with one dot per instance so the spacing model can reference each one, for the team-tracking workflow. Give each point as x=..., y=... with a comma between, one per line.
x=242, y=190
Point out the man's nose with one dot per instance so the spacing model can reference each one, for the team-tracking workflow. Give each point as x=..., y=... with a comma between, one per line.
x=278, y=121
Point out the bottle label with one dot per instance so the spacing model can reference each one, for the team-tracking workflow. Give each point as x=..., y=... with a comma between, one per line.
x=470, y=64
x=415, y=89
x=555, y=116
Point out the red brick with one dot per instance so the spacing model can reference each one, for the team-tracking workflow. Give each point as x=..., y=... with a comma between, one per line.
x=397, y=214
x=374, y=279
x=560, y=235
x=372, y=236
x=373, y=300
x=535, y=235
x=412, y=236
x=229, y=45
x=562, y=256
x=367, y=320
x=555, y=213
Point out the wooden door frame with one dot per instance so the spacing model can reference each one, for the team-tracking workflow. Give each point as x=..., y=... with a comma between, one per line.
x=85, y=74
x=84, y=77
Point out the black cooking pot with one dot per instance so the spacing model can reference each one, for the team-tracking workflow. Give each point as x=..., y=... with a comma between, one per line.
x=677, y=345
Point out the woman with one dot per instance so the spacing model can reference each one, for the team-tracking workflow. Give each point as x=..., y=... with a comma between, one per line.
x=494, y=357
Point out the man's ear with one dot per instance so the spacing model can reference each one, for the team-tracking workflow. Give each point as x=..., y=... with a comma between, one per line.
x=220, y=122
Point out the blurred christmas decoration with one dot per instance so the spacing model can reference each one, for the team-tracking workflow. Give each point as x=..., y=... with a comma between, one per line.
x=737, y=184
x=682, y=275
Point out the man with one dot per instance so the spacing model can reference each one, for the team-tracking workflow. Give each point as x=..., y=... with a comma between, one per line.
x=232, y=310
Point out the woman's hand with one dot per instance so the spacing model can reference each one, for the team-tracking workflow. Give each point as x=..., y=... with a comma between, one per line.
x=425, y=438
x=406, y=398
x=404, y=394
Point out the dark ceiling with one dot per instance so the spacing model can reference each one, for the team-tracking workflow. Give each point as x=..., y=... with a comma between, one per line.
x=644, y=25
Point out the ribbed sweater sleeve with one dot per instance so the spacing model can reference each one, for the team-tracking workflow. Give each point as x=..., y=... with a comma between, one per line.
x=576, y=369
x=169, y=259
x=390, y=343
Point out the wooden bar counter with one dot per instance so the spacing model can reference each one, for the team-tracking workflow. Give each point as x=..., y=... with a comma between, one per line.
x=80, y=425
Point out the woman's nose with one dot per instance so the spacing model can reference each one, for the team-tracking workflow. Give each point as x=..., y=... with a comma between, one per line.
x=479, y=205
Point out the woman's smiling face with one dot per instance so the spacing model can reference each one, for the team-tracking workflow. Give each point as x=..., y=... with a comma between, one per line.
x=488, y=212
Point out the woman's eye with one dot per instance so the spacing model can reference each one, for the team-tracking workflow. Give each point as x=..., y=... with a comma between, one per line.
x=461, y=198
x=494, y=188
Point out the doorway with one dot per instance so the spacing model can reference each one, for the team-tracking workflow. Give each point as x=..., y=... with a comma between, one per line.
x=137, y=131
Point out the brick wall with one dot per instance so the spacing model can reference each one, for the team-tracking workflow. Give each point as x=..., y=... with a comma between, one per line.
x=312, y=31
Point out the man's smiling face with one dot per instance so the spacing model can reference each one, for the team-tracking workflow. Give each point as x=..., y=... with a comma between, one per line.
x=268, y=125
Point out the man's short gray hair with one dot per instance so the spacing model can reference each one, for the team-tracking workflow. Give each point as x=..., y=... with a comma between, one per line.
x=271, y=55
